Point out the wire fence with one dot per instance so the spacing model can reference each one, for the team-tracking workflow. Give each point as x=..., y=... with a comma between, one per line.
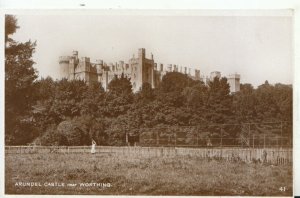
x=246, y=135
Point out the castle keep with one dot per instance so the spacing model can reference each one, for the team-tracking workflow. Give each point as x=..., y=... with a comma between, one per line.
x=139, y=70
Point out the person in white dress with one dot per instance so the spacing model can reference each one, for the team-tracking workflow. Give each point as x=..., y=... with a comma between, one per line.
x=93, y=150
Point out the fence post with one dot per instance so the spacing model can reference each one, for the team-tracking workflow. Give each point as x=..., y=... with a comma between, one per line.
x=175, y=138
x=249, y=134
x=253, y=140
x=280, y=134
x=221, y=138
x=126, y=137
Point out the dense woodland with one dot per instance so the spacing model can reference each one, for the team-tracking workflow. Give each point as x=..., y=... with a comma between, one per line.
x=62, y=112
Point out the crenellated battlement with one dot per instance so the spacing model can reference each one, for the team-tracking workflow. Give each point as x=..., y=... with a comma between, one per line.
x=139, y=70
x=234, y=76
x=64, y=59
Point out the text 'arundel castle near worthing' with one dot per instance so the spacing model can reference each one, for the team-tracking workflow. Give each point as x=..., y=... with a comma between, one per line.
x=139, y=70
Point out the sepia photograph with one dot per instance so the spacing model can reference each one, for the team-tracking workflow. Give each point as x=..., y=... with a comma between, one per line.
x=173, y=103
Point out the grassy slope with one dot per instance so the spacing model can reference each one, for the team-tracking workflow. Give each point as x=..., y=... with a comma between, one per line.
x=144, y=176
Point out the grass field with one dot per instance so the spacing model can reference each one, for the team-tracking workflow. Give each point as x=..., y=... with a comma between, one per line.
x=181, y=175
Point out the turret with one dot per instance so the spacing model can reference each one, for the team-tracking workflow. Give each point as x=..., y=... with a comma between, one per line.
x=64, y=66
x=197, y=74
x=161, y=67
x=85, y=61
x=75, y=54
x=175, y=68
x=169, y=67
x=155, y=66
x=142, y=53
x=99, y=62
x=99, y=66
x=121, y=65
x=111, y=66
x=215, y=74
x=234, y=82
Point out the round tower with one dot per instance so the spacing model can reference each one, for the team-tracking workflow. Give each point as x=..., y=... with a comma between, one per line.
x=64, y=62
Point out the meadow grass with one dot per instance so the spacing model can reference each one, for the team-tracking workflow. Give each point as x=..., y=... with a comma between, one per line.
x=181, y=175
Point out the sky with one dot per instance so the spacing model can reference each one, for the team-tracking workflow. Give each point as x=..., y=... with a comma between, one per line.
x=258, y=48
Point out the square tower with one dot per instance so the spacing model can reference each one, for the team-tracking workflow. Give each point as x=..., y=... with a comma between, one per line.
x=234, y=82
x=142, y=70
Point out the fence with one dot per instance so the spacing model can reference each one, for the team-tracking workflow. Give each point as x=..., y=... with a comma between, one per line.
x=254, y=135
x=276, y=156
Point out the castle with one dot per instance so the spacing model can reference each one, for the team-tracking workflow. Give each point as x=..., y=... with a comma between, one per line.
x=139, y=70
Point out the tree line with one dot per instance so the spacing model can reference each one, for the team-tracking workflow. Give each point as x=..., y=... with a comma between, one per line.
x=62, y=112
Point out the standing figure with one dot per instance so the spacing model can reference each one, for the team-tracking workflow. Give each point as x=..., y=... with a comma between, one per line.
x=93, y=150
x=208, y=142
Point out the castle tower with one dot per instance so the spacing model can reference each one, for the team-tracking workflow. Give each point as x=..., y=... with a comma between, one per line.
x=215, y=74
x=75, y=54
x=85, y=61
x=155, y=66
x=64, y=62
x=99, y=64
x=234, y=82
x=121, y=65
x=105, y=80
x=161, y=68
x=175, y=68
x=197, y=74
x=169, y=67
x=142, y=53
x=142, y=70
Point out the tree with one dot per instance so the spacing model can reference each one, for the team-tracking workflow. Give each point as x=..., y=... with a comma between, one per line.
x=19, y=89
x=119, y=97
x=244, y=103
x=120, y=86
x=92, y=101
x=44, y=92
x=67, y=99
x=10, y=27
x=266, y=105
x=170, y=89
x=219, y=101
x=195, y=96
x=174, y=81
x=284, y=99
x=44, y=88
x=146, y=93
